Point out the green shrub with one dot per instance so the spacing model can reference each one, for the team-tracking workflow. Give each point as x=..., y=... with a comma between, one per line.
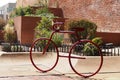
x=44, y=30
x=20, y=11
x=90, y=49
x=6, y=47
x=28, y=10
x=43, y=27
x=11, y=22
x=42, y=10
x=56, y=38
x=97, y=40
x=9, y=34
x=88, y=33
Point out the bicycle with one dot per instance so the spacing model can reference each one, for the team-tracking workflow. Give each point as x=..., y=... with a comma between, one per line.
x=42, y=46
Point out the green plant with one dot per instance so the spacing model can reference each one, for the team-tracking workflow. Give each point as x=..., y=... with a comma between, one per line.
x=89, y=29
x=44, y=30
x=44, y=11
x=21, y=11
x=28, y=10
x=6, y=47
x=11, y=22
x=43, y=27
x=97, y=40
x=9, y=34
x=90, y=49
x=56, y=38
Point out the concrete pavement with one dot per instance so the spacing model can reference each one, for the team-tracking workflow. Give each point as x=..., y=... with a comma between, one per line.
x=17, y=66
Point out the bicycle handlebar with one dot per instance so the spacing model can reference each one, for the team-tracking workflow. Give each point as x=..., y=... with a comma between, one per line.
x=56, y=26
x=58, y=23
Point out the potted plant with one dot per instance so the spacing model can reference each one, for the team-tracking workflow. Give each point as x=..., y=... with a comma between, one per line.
x=25, y=22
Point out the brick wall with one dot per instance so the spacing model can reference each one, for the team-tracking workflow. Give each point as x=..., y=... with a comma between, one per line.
x=105, y=13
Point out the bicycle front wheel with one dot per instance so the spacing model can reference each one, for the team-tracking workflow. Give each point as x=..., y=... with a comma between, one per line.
x=89, y=58
x=44, y=54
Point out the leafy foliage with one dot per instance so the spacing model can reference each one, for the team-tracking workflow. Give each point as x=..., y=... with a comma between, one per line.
x=6, y=47
x=43, y=27
x=44, y=30
x=9, y=34
x=97, y=40
x=56, y=38
x=90, y=49
x=11, y=22
x=20, y=11
x=44, y=12
x=89, y=29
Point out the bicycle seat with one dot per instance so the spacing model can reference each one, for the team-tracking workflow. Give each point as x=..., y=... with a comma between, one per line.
x=78, y=29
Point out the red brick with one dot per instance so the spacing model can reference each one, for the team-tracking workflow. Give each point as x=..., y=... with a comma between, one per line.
x=101, y=12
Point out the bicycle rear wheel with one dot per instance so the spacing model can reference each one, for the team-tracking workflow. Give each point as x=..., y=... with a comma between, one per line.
x=89, y=58
x=44, y=55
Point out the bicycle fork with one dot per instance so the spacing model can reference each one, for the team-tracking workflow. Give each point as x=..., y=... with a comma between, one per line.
x=46, y=47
